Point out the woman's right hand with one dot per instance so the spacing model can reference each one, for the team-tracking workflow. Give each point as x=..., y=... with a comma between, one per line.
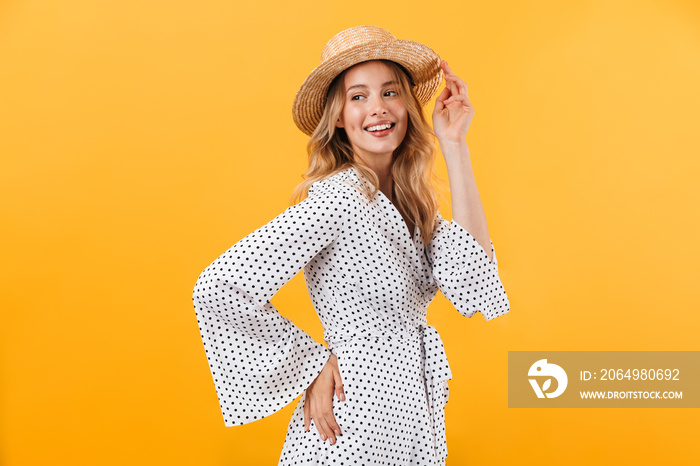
x=318, y=403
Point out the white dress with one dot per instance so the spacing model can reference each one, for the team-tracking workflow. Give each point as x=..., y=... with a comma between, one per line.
x=370, y=283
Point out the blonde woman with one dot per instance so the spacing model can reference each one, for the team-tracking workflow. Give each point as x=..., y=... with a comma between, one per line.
x=374, y=249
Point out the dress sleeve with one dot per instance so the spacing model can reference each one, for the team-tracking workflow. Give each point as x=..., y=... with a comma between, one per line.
x=463, y=272
x=260, y=361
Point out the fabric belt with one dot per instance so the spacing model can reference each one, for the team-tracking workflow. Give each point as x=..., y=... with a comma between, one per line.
x=437, y=373
x=436, y=370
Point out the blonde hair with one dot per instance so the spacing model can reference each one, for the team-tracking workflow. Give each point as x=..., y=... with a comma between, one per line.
x=413, y=166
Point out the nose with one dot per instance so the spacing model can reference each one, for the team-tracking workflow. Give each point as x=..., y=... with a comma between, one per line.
x=378, y=106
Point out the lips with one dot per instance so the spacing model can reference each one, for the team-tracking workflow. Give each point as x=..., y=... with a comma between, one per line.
x=383, y=132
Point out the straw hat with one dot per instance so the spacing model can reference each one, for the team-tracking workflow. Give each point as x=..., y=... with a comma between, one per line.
x=356, y=45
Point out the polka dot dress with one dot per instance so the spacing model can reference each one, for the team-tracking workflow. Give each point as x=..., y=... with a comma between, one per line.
x=370, y=281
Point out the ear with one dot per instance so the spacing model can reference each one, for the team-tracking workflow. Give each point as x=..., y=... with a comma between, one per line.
x=339, y=123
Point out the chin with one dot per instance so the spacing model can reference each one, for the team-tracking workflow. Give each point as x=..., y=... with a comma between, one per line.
x=379, y=150
x=383, y=146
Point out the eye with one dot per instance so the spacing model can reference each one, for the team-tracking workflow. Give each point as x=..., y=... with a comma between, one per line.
x=391, y=92
x=354, y=97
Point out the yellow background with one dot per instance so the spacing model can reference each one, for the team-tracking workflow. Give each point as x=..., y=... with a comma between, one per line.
x=140, y=140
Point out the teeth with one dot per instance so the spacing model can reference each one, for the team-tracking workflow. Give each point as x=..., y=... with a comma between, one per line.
x=379, y=127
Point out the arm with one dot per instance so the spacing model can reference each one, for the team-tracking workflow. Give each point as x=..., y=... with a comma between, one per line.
x=467, y=209
x=461, y=253
x=260, y=361
x=452, y=116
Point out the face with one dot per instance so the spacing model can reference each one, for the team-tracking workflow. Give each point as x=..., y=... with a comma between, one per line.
x=374, y=116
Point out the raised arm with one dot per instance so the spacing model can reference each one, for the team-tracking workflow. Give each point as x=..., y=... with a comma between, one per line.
x=462, y=255
x=451, y=119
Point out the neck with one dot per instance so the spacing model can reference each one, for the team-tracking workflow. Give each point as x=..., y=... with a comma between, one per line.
x=381, y=166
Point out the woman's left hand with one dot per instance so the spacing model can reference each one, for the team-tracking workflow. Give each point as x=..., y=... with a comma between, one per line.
x=453, y=112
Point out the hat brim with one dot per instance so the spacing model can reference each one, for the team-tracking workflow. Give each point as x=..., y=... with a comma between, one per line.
x=420, y=61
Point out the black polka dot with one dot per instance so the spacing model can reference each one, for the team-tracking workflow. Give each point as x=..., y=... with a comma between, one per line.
x=370, y=280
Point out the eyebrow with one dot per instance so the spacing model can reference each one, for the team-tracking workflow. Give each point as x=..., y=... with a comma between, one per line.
x=363, y=86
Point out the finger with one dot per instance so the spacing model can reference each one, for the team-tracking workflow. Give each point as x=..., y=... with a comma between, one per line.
x=454, y=90
x=321, y=409
x=340, y=393
x=458, y=98
x=461, y=85
x=451, y=77
x=444, y=94
x=446, y=68
x=454, y=98
x=333, y=424
x=328, y=414
x=333, y=429
x=325, y=429
x=450, y=100
x=439, y=103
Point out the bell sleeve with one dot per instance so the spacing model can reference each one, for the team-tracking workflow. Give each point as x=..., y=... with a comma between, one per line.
x=260, y=361
x=463, y=272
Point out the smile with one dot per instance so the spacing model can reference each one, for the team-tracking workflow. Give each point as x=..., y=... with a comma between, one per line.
x=381, y=130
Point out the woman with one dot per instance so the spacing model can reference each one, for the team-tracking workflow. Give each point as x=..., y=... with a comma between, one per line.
x=374, y=250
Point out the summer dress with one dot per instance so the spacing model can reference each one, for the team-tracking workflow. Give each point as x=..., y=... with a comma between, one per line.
x=370, y=281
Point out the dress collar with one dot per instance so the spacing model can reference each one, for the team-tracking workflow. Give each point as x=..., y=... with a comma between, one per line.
x=410, y=245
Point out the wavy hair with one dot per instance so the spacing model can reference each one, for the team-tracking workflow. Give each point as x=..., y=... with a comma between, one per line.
x=413, y=166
